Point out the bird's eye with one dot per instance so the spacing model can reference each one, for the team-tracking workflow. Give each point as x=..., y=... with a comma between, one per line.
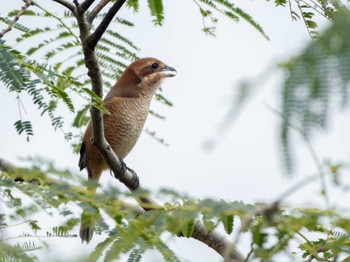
x=154, y=65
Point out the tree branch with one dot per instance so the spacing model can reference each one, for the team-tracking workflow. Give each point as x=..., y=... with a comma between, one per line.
x=92, y=15
x=6, y=165
x=96, y=36
x=86, y=4
x=217, y=242
x=67, y=4
x=18, y=15
x=17, y=174
x=127, y=177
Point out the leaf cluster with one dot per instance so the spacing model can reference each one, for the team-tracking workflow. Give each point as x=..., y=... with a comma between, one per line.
x=208, y=9
x=51, y=68
x=57, y=80
x=308, y=10
x=310, y=232
x=316, y=82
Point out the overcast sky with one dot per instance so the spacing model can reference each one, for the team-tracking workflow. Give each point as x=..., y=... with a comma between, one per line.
x=245, y=164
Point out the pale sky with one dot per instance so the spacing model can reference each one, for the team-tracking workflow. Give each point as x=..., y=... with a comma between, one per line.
x=245, y=164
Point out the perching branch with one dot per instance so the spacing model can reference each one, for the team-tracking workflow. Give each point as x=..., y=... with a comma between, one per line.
x=127, y=177
x=96, y=36
x=92, y=15
x=18, y=15
x=217, y=242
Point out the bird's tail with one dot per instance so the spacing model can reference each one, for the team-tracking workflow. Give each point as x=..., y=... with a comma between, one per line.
x=82, y=159
x=87, y=224
x=90, y=213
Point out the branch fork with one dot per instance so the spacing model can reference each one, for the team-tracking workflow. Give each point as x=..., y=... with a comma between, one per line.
x=126, y=175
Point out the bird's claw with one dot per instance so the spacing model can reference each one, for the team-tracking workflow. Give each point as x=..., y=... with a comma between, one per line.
x=123, y=167
x=135, y=179
x=134, y=184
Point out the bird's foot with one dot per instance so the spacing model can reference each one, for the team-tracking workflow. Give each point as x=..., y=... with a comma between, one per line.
x=123, y=167
x=134, y=183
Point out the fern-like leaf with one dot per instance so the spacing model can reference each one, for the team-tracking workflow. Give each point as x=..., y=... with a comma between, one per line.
x=157, y=11
x=227, y=221
x=24, y=126
x=134, y=4
x=314, y=81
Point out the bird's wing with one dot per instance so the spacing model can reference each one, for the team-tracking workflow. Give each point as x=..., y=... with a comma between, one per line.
x=82, y=159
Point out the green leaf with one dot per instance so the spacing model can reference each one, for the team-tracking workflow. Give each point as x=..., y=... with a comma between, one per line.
x=134, y=4
x=308, y=91
x=188, y=228
x=15, y=77
x=161, y=98
x=24, y=126
x=81, y=119
x=209, y=225
x=227, y=221
x=100, y=248
x=311, y=24
x=156, y=8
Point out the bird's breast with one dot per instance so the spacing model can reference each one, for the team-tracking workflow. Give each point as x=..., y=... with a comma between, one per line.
x=125, y=122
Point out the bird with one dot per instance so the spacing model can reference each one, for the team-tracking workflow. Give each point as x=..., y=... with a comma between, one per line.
x=127, y=104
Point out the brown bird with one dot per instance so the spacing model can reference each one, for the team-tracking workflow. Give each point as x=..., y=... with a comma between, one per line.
x=128, y=104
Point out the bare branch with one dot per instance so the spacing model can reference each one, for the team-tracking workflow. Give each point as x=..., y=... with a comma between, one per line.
x=216, y=242
x=18, y=15
x=96, y=36
x=67, y=4
x=92, y=15
x=86, y=4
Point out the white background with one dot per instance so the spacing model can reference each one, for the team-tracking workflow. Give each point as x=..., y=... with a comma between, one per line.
x=245, y=163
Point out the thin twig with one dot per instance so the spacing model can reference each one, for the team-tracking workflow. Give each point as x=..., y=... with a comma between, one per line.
x=68, y=28
x=312, y=152
x=16, y=18
x=17, y=224
x=313, y=250
x=67, y=4
x=272, y=207
x=319, y=9
x=96, y=36
x=290, y=9
x=301, y=12
x=97, y=9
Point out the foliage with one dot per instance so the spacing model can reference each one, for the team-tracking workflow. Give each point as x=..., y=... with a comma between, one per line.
x=52, y=69
x=316, y=82
x=307, y=10
x=57, y=80
x=322, y=234
x=312, y=233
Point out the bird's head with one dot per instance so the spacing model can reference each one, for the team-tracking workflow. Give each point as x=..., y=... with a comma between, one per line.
x=142, y=78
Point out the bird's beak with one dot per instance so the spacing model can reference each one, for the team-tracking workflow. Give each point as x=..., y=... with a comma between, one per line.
x=168, y=71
